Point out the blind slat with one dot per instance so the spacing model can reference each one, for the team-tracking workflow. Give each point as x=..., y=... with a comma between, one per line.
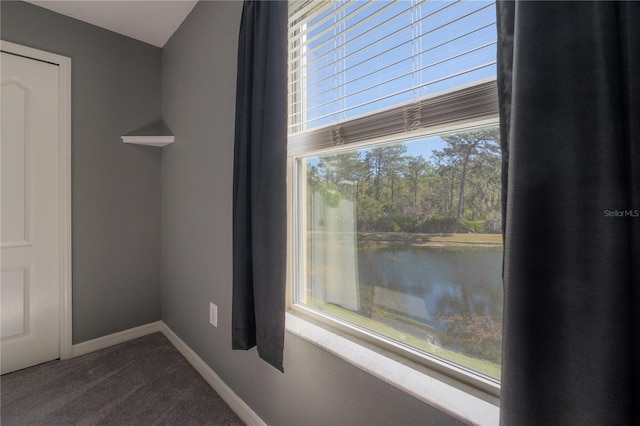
x=351, y=28
x=306, y=40
x=348, y=29
x=300, y=9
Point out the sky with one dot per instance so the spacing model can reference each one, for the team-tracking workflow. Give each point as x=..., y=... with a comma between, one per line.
x=356, y=66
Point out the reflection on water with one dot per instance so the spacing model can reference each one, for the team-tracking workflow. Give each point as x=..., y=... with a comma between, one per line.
x=431, y=283
x=447, y=297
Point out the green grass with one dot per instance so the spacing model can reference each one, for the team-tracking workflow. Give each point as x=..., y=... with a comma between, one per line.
x=416, y=239
x=482, y=366
x=469, y=238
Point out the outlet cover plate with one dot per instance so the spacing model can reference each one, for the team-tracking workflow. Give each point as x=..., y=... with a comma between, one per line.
x=213, y=314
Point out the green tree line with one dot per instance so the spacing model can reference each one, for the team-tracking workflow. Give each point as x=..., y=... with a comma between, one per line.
x=456, y=189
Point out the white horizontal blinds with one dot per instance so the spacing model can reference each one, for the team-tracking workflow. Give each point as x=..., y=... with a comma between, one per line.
x=353, y=58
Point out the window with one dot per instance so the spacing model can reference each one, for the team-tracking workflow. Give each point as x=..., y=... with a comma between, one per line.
x=393, y=139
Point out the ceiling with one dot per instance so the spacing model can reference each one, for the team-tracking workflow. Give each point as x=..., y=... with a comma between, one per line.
x=151, y=21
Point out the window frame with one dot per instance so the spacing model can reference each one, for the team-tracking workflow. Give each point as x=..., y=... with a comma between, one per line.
x=297, y=268
x=481, y=100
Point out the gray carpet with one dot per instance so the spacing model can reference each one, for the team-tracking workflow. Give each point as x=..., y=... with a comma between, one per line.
x=142, y=382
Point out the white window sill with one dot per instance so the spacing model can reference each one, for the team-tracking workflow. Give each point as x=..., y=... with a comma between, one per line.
x=454, y=398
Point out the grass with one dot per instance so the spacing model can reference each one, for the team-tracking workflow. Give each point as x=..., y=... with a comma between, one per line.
x=437, y=240
x=482, y=366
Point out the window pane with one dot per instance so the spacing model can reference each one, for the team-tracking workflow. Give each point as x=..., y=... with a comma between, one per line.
x=404, y=240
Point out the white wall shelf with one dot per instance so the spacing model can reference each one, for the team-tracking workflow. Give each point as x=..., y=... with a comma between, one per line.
x=154, y=134
x=149, y=140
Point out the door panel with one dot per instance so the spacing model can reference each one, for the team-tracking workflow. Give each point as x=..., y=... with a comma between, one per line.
x=15, y=188
x=30, y=236
x=15, y=315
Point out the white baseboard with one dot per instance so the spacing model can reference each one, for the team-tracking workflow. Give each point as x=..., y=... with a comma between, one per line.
x=226, y=393
x=115, y=338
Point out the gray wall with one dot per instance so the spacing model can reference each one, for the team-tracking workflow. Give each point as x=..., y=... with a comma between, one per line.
x=115, y=187
x=117, y=206
x=198, y=103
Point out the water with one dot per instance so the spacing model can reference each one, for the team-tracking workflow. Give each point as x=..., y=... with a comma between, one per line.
x=431, y=283
x=440, y=298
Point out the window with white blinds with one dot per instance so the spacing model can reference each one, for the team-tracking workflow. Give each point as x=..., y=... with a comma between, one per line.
x=365, y=69
x=395, y=179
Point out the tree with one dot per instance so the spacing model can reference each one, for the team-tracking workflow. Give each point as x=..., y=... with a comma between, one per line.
x=464, y=149
x=457, y=190
x=414, y=171
x=446, y=172
x=385, y=163
x=340, y=167
x=313, y=176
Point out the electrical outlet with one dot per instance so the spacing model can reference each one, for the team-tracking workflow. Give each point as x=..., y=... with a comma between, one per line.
x=213, y=314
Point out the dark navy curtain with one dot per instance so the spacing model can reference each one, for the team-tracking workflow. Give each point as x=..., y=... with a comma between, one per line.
x=259, y=181
x=569, y=84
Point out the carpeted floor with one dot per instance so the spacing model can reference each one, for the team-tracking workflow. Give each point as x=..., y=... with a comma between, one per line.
x=142, y=382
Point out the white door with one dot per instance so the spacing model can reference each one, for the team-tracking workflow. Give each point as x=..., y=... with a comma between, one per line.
x=30, y=218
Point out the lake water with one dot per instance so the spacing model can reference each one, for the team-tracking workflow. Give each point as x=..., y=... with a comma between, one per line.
x=429, y=283
x=443, y=297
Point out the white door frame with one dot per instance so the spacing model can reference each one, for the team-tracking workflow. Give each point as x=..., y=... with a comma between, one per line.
x=64, y=202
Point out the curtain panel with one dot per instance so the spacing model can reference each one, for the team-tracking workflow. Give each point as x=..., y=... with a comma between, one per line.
x=569, y=86
x=259, y=182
